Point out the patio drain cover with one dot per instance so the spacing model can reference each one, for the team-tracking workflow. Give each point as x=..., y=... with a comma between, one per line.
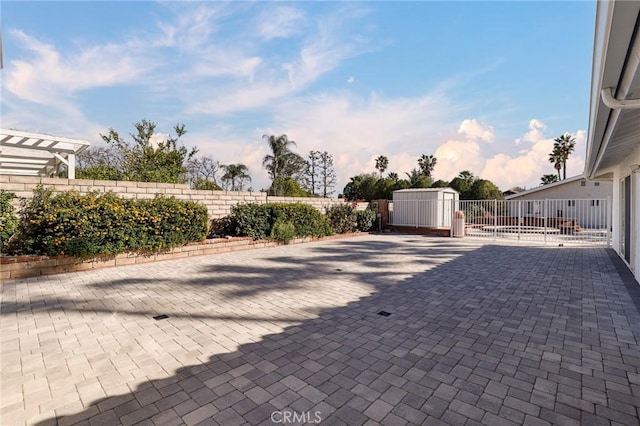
x=160, y=317
x=384, y=313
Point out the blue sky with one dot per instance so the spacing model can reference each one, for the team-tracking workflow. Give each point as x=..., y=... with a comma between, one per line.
x=484, y=86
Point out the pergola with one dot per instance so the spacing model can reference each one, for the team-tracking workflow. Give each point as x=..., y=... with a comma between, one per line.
x=34, y=154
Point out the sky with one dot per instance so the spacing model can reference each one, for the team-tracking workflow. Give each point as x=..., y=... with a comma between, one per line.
x=483, y=86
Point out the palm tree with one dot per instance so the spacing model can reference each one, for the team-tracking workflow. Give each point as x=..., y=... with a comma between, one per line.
x=565, y=145
x=281, y=161
x=236, y=174
x=427, y=163
x=467, y=176
x=547, y=179
x=382, y=163
x=393, y=176
x=555, y=158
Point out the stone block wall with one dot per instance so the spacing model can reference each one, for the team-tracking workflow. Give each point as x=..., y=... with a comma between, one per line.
x=218, y=203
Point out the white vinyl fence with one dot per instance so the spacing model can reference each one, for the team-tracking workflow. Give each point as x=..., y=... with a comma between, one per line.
x=586, y=221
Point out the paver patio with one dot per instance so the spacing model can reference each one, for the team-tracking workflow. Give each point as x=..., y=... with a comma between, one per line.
x=477, y=334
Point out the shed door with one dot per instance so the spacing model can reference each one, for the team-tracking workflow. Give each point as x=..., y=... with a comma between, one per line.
x=447, y=212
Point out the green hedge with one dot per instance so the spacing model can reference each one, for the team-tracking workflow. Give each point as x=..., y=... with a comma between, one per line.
x=257, y=220
x=8, y=219
x=105, y=224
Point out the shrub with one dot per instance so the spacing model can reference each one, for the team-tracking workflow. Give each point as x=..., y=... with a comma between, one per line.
x=365, y=220
x=251, y=220
x=105, y=224
x=283, y=231
x=220, y=227
x=257, y=220
x=8, y=219
x=342, y=217
x=308, y=221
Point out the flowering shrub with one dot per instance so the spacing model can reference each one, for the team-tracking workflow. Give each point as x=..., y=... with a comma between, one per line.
x=342, y=217
x=365, y=220
x=105, y=224
x=8, y=219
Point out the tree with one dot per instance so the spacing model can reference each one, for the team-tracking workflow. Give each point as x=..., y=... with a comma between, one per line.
x=202, y=173
x=148, y=159
x=311, y=172
x=564, y=147
x=440, y=184
x=462, y=183
x=393, y=176
x=282, y=161
x=327, y=174
x=361, y=187
x=418, y=180
x=555, y=158
x=427, y=163
x=382, y=163
x=547, y=179
x=98, y=163
x=287, y=187
x=483, y=189
x=235, y=175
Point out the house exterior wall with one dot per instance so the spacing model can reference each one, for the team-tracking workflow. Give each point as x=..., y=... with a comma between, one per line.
x=572, y=190
x=570, y=200
x=621, y=172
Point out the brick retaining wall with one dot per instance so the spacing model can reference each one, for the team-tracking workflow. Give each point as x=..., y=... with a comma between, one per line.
x=14, y=267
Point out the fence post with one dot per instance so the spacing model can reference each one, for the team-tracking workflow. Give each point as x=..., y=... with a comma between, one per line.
x=519, y=218
x=453, y=216
x=609, y=212
x=495, y=219
x=544, y=212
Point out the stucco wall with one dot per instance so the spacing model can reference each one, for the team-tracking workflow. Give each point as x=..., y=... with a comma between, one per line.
x=218, y=203
x=622, y=171
x=571, y=190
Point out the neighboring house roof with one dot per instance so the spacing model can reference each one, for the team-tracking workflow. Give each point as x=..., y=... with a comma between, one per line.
x=613, y=128
x=545, y=187
x=511, y=191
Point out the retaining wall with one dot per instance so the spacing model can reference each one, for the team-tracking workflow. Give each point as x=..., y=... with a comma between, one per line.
x=218, y=203
x=15, y=267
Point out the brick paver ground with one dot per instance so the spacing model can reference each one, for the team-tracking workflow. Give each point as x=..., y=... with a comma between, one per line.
x=477, y=334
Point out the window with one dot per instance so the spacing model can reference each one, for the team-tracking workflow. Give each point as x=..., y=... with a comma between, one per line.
x=583, y=183
x=596, y=184
x=571, y=203
x=595, y=203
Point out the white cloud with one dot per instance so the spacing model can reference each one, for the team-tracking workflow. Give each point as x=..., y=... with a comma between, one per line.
x=456, y=155
x=49, y=77
x=535, y=133
x=351, y=80
x=356, y=130
x=476, y=130
x=526, y=168
x=280, y=22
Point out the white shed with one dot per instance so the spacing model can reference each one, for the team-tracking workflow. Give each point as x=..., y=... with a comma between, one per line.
x=425, y=207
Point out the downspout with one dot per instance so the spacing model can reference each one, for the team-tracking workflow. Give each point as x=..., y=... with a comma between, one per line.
x=614, y=103
x=619, y=103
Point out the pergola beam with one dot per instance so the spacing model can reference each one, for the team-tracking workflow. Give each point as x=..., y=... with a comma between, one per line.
x=18, y=152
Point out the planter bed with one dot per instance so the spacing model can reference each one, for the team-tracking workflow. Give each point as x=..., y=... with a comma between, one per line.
x=14, y=267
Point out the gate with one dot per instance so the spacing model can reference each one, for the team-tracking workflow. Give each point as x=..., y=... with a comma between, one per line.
x=558, y=221
x=575, y=221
